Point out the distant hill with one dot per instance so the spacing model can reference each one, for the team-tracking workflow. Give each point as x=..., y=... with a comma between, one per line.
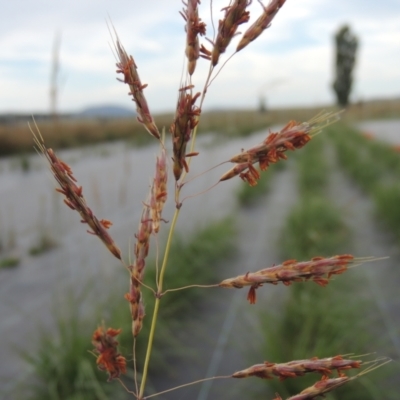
x=106, y=111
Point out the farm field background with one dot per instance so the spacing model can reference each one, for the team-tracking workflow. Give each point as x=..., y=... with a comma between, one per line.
x=57, y=261
x=65, y=132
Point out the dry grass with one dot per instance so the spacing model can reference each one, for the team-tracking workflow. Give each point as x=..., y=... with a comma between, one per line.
x=16, y=138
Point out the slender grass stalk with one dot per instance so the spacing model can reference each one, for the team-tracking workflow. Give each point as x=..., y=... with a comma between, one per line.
x=157, y=304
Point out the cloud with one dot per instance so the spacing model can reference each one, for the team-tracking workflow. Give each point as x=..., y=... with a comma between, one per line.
x=296, y=50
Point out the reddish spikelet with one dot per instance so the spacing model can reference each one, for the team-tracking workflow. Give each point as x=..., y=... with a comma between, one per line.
x=108, y=357
x=293, y=369
x=323, y=386
x=251, y=176
x=137, y=271
x=327, y=384
x=235, y=15
x=194, y=27
x=74, y=199
x=128, y=68
x=235, y=171
x=263, y=22
x=186, y=119
x=293, y=136
x=159, y=190
x=319, y=269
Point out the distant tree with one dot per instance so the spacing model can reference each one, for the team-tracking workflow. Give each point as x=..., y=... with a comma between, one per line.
x=262, y=104
x=54, y=77
x=346, y=48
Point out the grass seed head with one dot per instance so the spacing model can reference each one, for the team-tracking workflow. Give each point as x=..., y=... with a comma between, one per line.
x=292, y=136
x=263, y=22
x=326, y=384
x=186, y=118
x=159, y=191
x=106, y=346
x=127, y=67
x=142, y=246
x=235, y=14
x=74, y=199
x=319, y=270
x=293, y=369
x=234, y=171
x=194, y=28
x=323, y=386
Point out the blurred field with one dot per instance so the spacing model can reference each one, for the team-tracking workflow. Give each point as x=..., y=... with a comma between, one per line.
x=114, y=180
x=16, y=138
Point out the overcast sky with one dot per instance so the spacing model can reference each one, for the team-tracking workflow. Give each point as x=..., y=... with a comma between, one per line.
x=291, y=63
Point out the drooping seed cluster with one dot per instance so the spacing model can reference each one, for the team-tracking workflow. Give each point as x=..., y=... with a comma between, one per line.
x=128, y=68
x=235, y=15
x=186, y=119
x=263, y=22
x=74, y=199
x=135, y=296
x=319, y=270
x=106, y=346
x=293, y=136
x=149, y=223
x=296, y=368
x=194, y=27
x=323, y=386
x=158, y=192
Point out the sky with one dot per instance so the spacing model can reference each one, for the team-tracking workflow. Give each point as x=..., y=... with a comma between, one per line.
x=290, y=64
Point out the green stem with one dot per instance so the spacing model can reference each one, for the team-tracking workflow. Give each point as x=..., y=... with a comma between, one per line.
x=157, y=306
x=164, y=265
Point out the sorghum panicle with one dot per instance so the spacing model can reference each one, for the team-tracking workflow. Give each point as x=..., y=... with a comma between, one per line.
x=194, y=28
x=293, y=136
x=263, y=22
x=158, y=192
x=74, y=199
x=142, y=245
x=186, y=118
x=323, y=386
x=319, y=270
x=128, y=68
x=106, y=346
x=296, y=368
x=235, y=14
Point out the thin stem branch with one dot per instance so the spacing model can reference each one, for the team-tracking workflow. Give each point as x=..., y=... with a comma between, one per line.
x=146, y=286
x=125, y=387
x=134, y=365
x=202, y=173
x=157, y=305
x=157, y=262
x=199, y=193
x=187, y=384
x=194, y=134
x=189, y=287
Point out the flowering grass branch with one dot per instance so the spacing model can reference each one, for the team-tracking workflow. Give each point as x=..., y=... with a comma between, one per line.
x=319, y=270
x=293, y=136
x=326, y=385
x=293, y=369
x=127, y=67
x=73, y=193
x=108, y=357
x=183, y=131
